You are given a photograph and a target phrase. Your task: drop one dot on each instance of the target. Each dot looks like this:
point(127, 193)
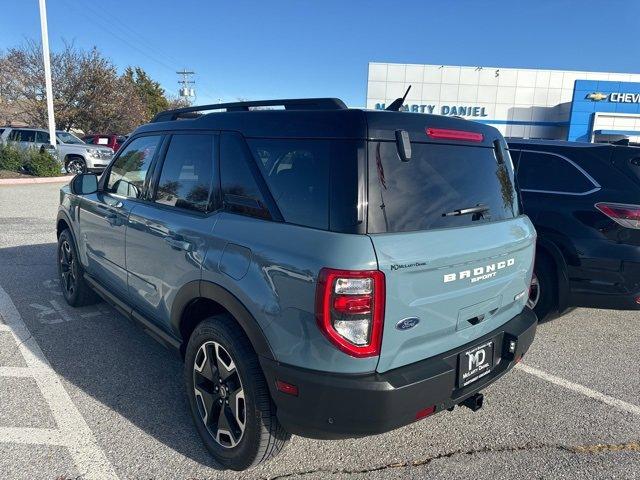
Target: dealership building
point(524, 103)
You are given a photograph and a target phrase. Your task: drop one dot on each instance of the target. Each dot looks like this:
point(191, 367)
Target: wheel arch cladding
point(63, 221)
point(61, 225)
point(198, 300)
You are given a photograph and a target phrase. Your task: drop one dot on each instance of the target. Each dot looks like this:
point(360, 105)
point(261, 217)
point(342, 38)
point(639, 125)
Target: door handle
point(178, 244)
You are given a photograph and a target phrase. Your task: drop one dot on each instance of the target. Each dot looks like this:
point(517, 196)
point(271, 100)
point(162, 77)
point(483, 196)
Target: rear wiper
point(478, 209)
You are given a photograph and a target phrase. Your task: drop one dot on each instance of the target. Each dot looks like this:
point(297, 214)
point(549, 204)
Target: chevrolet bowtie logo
point(597, 96)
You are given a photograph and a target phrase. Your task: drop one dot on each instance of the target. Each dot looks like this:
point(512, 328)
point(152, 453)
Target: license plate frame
point(475, 363)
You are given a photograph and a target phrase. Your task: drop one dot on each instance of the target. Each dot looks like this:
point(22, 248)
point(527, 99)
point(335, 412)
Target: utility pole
point(186, 91)
point(47, 72)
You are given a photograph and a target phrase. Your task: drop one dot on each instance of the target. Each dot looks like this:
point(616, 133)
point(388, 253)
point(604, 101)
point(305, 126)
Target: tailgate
point(460, 283)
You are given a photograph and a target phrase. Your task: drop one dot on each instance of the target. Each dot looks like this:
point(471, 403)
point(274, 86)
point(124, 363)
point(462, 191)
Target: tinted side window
point(240, 192)
point(22, 136)
point(550, 173)
point(187, 172)
point(129, 171)
point(27, 136)
point(42, 137)
point(297, 173)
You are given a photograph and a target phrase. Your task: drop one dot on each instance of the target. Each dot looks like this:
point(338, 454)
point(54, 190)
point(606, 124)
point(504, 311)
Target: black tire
point(547, 302)
point(262, 437)
point(75, 165)
point(75, 289)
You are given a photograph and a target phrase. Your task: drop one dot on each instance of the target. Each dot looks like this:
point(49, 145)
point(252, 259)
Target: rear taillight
point(350, 309)
point(626, 215)
point(448, 134)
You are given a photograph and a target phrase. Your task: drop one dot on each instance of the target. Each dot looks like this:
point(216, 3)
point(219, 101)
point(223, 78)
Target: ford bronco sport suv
point(584, 200)
point(324, 271)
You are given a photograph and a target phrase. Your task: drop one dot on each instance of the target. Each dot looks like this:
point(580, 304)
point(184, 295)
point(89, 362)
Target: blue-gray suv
point(324, 271)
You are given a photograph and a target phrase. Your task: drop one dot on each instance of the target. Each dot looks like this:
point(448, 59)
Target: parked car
point(324, 271)
point(584, 200)
point(75, 155)
point(112, 141)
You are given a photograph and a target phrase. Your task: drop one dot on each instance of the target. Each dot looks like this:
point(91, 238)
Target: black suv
point(584, 200)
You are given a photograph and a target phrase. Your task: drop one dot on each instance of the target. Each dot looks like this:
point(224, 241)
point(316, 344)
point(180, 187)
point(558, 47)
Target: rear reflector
point(446, 134)
point(425, 412)
point(287, 388)
point(623, 214)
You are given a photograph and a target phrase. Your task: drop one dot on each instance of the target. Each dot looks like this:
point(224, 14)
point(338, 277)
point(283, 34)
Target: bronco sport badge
point(479, 273)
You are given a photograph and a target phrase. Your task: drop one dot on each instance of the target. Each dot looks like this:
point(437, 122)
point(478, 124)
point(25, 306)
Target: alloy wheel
point(75, 166)
point(534, 292)
point(219, 394)
point(68, 270)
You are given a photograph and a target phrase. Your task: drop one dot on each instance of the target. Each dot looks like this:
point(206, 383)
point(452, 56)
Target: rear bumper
point(330, 406)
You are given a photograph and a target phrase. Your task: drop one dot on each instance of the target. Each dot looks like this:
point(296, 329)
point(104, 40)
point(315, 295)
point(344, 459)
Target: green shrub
point(11, 158)
point(41, 164)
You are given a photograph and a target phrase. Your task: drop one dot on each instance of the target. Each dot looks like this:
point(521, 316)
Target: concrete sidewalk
point(25, 181)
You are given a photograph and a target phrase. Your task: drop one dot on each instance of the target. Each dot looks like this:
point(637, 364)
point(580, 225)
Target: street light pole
point(47, 72)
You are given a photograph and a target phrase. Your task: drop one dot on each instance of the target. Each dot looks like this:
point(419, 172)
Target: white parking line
point(73, 431)
point(576, 387)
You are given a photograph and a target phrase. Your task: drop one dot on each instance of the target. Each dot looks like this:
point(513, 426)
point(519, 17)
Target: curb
point(27, 181)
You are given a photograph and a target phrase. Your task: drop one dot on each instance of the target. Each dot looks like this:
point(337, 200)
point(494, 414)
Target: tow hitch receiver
point(474, 402)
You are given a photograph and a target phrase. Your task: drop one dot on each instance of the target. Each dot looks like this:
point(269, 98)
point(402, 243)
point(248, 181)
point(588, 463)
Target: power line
point(117, 36)
point(127, 30)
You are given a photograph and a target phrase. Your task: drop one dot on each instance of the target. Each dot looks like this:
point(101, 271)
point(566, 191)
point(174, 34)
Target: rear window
point(438, 180)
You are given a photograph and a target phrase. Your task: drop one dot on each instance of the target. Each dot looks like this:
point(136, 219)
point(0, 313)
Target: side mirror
point(84, 184)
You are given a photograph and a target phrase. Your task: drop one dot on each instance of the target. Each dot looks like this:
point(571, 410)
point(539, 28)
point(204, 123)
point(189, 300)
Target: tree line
point(88, 92)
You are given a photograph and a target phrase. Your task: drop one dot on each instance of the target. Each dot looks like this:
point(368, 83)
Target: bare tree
point(88, 93)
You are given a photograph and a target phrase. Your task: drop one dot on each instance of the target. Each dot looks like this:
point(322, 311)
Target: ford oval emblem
point(407, 323)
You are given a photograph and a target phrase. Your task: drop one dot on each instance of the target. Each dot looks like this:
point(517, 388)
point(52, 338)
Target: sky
point(296, 48)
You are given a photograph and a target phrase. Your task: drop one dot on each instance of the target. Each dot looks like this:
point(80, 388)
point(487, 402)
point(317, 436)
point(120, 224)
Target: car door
point(165, 242)
point(103, 216)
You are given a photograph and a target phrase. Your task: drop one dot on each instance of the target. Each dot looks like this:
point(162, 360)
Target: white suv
point(75, 155)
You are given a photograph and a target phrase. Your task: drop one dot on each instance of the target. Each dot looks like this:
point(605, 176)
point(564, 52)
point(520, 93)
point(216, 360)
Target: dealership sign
point(449, 110)
point(615, 97)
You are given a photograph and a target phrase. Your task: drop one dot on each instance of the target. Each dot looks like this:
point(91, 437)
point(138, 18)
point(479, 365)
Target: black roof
point(310, 118)
point(532, 144)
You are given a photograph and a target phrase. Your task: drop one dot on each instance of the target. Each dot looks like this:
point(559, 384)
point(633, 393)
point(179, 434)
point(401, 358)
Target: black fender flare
point(211, 291)
point(62, 215)
point(562, 273)
point(73, 225)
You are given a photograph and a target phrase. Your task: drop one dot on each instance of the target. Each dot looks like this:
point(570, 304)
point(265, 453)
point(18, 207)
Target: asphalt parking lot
point(85, 393)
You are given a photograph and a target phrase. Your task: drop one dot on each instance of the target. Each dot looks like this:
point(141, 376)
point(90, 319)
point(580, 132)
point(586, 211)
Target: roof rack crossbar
point(288, 104)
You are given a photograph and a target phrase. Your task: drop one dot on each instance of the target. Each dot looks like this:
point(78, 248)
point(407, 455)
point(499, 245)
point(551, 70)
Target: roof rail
point(290, 104)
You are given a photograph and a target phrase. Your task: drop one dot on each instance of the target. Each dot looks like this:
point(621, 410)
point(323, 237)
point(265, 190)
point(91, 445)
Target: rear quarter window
point(439, 179)
point(551, 173)
point(314, 182)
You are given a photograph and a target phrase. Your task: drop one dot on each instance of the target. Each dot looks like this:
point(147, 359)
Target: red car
point(113, 141)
